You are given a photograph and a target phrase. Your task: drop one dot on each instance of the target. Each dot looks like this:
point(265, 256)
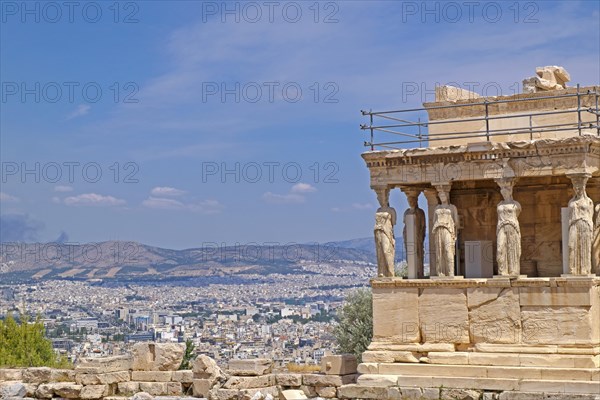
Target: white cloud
point(166, 191)
point(296, 195)
point(303, 188)
point(7, 198)
point(80, 111)
point(93, 199)
point(203, 207)
point(163, 204)
point(290, 198)
point(63, 189)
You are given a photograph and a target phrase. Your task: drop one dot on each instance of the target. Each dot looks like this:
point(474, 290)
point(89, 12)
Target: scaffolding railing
point(413, 132)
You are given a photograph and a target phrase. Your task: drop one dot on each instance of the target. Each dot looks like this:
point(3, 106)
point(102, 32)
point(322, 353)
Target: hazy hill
point(130, 260)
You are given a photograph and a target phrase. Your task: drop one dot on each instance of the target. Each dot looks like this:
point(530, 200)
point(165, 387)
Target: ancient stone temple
point(507, 295)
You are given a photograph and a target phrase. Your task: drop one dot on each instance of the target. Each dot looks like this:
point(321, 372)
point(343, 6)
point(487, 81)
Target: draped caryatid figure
point(508, 232)
point(413, 246)
point(385, 242)
point(445, 218)
point(596, 242)
point(581, 214)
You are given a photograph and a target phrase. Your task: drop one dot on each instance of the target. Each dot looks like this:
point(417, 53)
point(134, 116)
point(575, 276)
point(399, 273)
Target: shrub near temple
point(355, 323)
point(24, 344)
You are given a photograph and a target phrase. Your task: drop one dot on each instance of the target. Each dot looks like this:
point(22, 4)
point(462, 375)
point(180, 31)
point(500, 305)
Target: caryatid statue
point(581, 214)
point(385, 242)
point(445, 219)
point(508, 232)
point(596, 242)
point(412, 196)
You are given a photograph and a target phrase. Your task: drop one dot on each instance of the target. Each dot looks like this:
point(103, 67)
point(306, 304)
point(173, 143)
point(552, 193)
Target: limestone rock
point(410, 393)
point(93, 392)
point(431, 394)
point(157, 356)
point(12, 389)
point(44, 391)
point(496, 320)
point(206, 368)
point(293, 394)
point(154, 388)
point(11, 375)
point(548, 325)
point(389, 356)
point(309, 391)
point(128, 388)
point(395, 315)
point(249, 382)
point(223, 394)
point(453, 94)
point(67, 390)
point(362, 392)
point(444, 315)
point(37, 375)
point(151, 376)
point(378, 380)
point(327, 392)
point(62, 375)
point(293, 380)
point(252, 367)
point(339, 364)
point(367, 368)
point(459, 394)
point(103, 365)
point(174, 389)
point(142, 396)
point(327, 380)
point(202, 387)
point(262, 394)
point(108, 378)
point(183, 376)
point(548, 78)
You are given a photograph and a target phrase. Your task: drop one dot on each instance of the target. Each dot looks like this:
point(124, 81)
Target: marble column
point(444, 232)
point(385, 242)
point(508, 231)
point(414, 233)
point(581, 227)
point(432, 203)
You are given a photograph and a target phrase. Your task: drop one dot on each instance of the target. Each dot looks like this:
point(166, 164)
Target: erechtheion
point(511, 298)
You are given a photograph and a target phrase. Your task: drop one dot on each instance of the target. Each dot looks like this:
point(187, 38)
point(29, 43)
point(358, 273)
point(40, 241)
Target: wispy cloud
point(93, 199)
point(80, 111)
point(203, 207)
point(296, 195)
point(303, 188)
point(166, 191)
point(63, 189)
point(7, 198)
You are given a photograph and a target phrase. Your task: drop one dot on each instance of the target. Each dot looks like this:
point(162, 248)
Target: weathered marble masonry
point(511, 301)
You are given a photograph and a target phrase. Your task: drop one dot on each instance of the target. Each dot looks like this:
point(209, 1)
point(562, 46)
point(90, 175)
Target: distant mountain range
point(121, 260)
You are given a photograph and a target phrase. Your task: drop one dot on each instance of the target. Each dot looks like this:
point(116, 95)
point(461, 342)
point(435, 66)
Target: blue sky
point(160, 97)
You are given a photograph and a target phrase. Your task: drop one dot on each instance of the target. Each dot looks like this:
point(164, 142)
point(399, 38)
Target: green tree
point(355, 323)
point(189, 355)
point(24, 344)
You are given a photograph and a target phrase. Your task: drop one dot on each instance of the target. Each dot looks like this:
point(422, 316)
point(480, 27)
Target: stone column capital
point(442, 186)
point(383, 194)
point(506, 181)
